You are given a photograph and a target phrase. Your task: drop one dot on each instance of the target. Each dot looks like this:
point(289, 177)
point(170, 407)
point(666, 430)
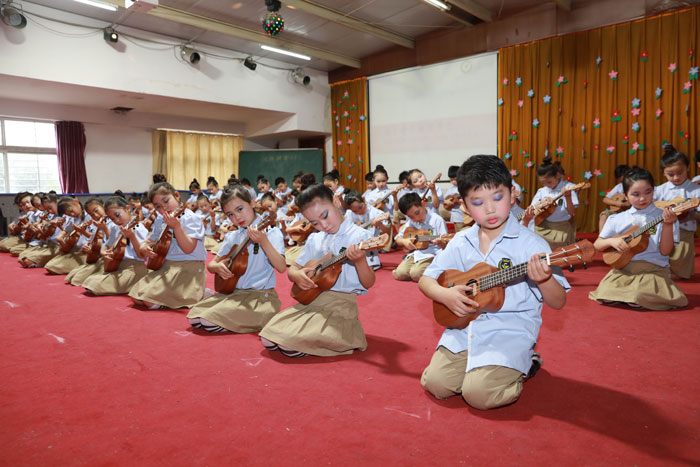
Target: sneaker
point(156, 307)
point(535, 366)
point(208, 293)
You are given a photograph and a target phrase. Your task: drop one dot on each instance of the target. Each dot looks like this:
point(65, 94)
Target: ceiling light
point(438, 4)
point(285, 52)
point(109, 35)
point(190, 55)
point(13, 17)
point(104, 6)
point(299, 77)
point(250, 64)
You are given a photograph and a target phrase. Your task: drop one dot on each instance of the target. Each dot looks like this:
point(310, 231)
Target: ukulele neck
point(504, 276)
point(643, 229)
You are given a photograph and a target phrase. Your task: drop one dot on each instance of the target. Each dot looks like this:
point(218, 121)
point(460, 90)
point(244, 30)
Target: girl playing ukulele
point(254, 301)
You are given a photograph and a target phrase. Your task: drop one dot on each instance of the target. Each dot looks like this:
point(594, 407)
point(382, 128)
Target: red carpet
point(94, 381)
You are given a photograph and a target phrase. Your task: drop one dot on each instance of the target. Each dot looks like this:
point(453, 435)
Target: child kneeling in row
point(488, 361)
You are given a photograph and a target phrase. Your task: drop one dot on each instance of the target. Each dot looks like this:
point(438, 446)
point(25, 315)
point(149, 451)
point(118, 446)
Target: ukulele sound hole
point(471, 284)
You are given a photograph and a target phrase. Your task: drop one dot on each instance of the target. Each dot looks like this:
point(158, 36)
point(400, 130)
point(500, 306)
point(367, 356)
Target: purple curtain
point(70, 145)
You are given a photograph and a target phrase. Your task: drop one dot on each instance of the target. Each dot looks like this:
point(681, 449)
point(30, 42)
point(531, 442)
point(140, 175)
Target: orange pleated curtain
point(350, 135)
point(600, 98)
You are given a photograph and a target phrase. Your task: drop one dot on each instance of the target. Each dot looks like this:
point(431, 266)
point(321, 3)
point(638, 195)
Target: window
point(28, 153)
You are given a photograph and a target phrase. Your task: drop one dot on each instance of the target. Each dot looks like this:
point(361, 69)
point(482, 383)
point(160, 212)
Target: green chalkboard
point(275, 163)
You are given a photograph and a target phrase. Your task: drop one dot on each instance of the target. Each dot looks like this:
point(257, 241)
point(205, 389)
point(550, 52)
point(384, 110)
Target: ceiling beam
point(474, 8)
point(354, 23)
point(564, 4)
point(229, 29)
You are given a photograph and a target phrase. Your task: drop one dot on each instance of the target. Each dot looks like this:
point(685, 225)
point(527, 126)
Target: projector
point(142, 6)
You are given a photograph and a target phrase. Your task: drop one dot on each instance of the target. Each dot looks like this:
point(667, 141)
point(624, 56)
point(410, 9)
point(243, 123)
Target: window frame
point(6, 150)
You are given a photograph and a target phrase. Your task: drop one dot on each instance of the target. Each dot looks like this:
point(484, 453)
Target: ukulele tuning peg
point(571, 268)
point(585, 265)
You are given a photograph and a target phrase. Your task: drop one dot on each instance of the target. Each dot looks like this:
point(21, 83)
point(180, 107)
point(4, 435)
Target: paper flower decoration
point(520, 103)
point(672, 68)
point(561, 80)
point(690, 54)
point(569, 178)
point(337, 124)
point(335, 164)
point(363, 118)
point(597, 173)
point(687, 86)
point(610, 149)
point(625, 138)
point(635, 127)
point(585, 84)
point(507, 155)
point(658, 92)
point(525, 154)
point(500, 101)
point(583, 154)
point(559, 151)
point(596, 146)
point(535, 123)
point(529, 164)
point(341, 158)
point(685, 135)
point(636, 147)
point(339, 143)
point(518, 81)
point(636, 112)
point(583, 128)
point(349, 177)
point(636, 102)
point(597, 61)
point(596, 123)
point(531, 93)
point(644, 56)
point(616, 117)
point(346, 114)
point(346, 94)
point(658, 113)
point(587, 175)
point(351, 140)
point(505, 81)
point(513, 135)
point(613, 75)
point(693, 73)
point(350, 165)
point(547, 98)
point(514, 173)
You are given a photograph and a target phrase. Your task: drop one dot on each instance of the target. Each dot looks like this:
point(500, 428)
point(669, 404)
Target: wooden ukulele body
point(490, 300)
point(300, 231)
point(617, 260)
point(324, 280)
point(67, 243)
point(452, 201)
point(118, 251)
point(238, 267)
point(411, 233)
point(95, 247)
point(542, 216)
point(161, 249)
point(619, 198)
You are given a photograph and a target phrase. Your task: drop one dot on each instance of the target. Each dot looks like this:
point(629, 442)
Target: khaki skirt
point(176, 284)
point(326, 327)
point(209, 242)
point(117, 282)
point(646, 284)
point(291, 254)
point(242, 311)
point(557, 234)
point(40, 255)
point(17, 250)
point(10, 242)
point(215, 249)
point(78, 275)
point(64, 263)
point(682, 259)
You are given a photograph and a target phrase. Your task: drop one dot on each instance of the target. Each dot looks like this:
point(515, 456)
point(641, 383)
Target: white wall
point(118, 157)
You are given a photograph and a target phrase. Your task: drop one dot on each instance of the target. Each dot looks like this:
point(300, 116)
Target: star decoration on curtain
point(535, 123)
point(672, 68)
point(636, 111)
point(636, 102)
point(636, 127)
point(658, 92)
point(531, 93)
point(613, 75)
point(518, 81)
point(658, 113)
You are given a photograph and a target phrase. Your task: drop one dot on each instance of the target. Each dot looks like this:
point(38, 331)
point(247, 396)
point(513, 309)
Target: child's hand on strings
point(537, 270)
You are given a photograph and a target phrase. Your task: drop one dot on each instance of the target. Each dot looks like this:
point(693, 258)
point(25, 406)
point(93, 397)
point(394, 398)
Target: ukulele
point(300, 230)
point(119, 247)
point(437, 177)
point(162, 245)
point(381, 203)
point(620, 198)
point(466, 218)
point(674, 202)
point(95, 244)
point(33, 229)
point(545, 207)
point(149, 220)
point(488, 283)
point(638, 237)
point(237, 261)
point(451, 201)
point(16, 227)
point(381, 218)
point(421, 238)
point(50, 228)
point(326, 270)
point(67, 243)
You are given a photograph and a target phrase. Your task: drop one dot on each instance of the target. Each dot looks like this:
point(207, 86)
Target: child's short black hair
point(409, 200)
point(202, 196)
point(93, 200)
point(308, 195)
point(403, 176)
point(353, 196)
point(672, 156)
point(262, 179)
point(212, 181)
point(232, 181)
point(621, 170)
point(549, 169)
point(452, 171)
point(194, 184)
point(114, 201)
point(50, 197)
point(380, 170)
point(19, 196)
point(268, 197)
point(369, 176)
point(634, 175)
point(245, 182)
point(63, 204)
point(482, 171)
point(144, 198)
point(279, 180)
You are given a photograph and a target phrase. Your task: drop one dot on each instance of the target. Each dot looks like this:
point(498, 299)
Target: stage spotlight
point(13, 17)
point(109, 35)
point(300, 78)
point(190, 55)
point(250, 64)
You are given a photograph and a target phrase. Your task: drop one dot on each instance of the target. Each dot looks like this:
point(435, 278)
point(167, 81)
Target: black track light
point(250, 64)
point(273, 5)
point(12, 16)
point(109, 35)
point(190, 55)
